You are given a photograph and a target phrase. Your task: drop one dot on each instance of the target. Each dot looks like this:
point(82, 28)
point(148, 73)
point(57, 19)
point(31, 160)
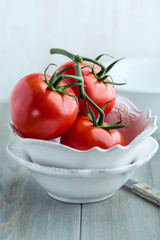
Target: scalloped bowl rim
point(137, 139)
point(50, 170)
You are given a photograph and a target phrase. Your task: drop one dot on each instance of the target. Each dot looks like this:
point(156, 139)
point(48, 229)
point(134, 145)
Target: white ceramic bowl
point(143, 84)
point(48, 153)
point(81, 186)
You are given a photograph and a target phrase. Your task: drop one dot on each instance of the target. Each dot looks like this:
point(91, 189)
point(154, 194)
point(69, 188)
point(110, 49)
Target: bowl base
point(75, 200)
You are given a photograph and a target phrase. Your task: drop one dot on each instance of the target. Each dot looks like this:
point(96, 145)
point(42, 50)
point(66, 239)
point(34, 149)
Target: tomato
point(99, 92)
point(83, 136)
point(38, 112)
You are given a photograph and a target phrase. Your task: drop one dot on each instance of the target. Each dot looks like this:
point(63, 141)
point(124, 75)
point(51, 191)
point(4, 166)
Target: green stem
point(101, 73)
point(50, 83)
point(95, 62)
point(77, 60)
point(62, 52)
point(83, 95)
point(57, 82)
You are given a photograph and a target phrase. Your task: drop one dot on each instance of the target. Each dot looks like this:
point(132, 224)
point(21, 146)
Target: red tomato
point(99, 92)
point(38, 112)
point(83, 136)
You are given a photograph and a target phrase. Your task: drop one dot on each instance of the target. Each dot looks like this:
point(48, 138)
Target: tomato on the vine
point(98, 91)
point(83, 135)
point(41, 113)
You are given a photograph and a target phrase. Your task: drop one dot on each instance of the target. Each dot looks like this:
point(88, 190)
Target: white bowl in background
point(143, 84)
point(81, 186)
point(49, 153)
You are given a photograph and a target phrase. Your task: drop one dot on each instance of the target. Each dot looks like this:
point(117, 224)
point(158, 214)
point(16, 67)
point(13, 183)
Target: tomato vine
point(101, 76)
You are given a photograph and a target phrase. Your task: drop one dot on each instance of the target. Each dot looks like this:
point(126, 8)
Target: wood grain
point(125, 215)
point(28, 213)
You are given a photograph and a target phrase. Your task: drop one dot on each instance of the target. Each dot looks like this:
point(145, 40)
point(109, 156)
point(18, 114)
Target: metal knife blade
point(144, 190)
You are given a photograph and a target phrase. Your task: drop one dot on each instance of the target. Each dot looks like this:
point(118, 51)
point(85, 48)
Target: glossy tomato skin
point(83, 136)
point(99, 92)
point(38, 112)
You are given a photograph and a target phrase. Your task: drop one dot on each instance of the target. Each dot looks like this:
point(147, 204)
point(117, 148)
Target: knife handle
point(147, 192)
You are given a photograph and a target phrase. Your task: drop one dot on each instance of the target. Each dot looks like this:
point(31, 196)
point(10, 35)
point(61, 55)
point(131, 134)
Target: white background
point(28, 29)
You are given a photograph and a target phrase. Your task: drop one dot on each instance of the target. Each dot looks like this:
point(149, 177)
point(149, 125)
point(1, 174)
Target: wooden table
point(27, 212)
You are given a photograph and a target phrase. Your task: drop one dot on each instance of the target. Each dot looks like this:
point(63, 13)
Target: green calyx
point(103, 75)
point(57, 77)
point(95, 120)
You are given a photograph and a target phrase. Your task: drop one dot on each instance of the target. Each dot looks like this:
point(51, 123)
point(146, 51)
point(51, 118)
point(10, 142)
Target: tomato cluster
point(70, 104)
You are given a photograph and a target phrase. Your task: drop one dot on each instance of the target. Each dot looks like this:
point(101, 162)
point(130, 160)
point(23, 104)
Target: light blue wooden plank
point(26, 211)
